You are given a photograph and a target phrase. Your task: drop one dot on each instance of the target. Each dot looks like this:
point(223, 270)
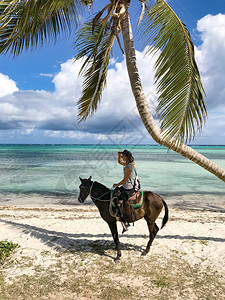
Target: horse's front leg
point(113, 228)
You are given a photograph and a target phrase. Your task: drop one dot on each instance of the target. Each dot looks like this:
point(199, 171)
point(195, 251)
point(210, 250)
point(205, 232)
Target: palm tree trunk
point(144, 110)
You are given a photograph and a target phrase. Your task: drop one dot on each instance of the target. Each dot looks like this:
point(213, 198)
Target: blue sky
point(40, 88)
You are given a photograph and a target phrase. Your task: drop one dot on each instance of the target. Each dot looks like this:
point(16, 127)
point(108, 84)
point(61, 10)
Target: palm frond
point(87, 2)
point(29, 23)
point(181, 105)
point(98, 16)
point(142, 13)
point(95, 48)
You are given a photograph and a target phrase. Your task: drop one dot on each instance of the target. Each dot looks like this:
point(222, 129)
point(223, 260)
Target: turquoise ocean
point(54, 170)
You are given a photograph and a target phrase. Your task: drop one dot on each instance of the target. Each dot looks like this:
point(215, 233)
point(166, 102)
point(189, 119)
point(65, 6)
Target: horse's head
point(85, 188)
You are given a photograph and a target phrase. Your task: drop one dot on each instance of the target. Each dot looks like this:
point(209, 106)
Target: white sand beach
point(66, 251)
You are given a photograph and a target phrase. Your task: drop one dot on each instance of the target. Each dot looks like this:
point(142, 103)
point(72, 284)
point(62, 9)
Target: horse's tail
point(166, 216)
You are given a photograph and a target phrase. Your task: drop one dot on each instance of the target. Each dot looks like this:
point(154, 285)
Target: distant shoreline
point(100, 144)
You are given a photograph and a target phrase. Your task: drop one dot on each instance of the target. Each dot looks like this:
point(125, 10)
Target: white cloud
point(7, 85)
point(47, 75)
point(28, 131)
point(67, 82)
point(8, 109)
point(57, 110)
point(79, 135)
point(67, 134)
point(210, 56)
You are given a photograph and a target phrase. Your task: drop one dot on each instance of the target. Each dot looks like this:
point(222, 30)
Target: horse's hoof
point(144, 253)
point(117, 260)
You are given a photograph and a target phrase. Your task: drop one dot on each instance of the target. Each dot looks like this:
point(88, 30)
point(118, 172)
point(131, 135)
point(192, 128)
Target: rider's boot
point(123, 220)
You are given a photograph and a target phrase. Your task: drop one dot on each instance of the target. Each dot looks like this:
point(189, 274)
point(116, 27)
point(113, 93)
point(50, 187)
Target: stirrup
point(125, 227)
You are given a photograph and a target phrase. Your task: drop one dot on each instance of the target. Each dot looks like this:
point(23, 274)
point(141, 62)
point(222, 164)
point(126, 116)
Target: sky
point(39, 89)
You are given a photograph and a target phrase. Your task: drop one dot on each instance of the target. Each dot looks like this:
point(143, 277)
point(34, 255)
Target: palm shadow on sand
point(73, 242)
point(82, 242)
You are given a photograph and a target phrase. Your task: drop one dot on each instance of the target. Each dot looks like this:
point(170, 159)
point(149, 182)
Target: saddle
point(136, 199)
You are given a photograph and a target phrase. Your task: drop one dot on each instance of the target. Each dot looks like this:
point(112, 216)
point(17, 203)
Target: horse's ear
point(81, 179)
point(90, 178)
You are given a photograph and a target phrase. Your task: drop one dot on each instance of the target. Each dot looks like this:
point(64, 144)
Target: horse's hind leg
point(153, 229)
point(156, 229)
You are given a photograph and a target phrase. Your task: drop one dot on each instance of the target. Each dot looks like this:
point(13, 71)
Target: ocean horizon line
point(100, 144)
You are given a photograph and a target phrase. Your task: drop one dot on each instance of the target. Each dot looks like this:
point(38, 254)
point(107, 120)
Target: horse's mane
point(100, 185)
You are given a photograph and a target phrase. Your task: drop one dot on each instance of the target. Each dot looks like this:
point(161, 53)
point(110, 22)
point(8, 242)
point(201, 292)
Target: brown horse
point(150, 210)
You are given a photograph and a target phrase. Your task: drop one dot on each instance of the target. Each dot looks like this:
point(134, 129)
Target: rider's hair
point(128, 155)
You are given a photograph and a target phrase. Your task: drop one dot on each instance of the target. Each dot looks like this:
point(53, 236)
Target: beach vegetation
point(204, 242)
point(6, 248)
point(181, 109)
point(100, 278)
point(161, 282)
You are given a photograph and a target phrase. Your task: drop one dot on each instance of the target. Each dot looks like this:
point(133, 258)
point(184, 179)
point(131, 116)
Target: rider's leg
point(122, 200)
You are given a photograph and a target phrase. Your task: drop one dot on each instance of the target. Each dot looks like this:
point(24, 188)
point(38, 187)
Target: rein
point(94, 198)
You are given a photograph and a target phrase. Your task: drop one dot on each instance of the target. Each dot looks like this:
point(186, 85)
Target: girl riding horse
point(126, 185)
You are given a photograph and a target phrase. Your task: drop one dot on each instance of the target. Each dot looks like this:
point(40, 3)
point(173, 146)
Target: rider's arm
point(120, 161)
point(125, 179)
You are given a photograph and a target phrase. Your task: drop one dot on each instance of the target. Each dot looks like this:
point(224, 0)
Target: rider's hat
point(128, 154)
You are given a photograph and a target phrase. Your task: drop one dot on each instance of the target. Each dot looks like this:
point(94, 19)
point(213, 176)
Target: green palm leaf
point(29, 23)
point(95, 49)
point(181, 105)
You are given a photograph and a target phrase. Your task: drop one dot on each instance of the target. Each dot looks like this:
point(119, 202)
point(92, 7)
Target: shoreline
point(193, 201)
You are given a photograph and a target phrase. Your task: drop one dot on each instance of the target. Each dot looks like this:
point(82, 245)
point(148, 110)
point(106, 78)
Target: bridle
point(94, 198)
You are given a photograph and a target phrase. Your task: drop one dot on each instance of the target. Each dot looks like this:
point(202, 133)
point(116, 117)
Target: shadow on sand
point(75, 243)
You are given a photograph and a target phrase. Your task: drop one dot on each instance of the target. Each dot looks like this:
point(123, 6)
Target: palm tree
point(181, 107)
